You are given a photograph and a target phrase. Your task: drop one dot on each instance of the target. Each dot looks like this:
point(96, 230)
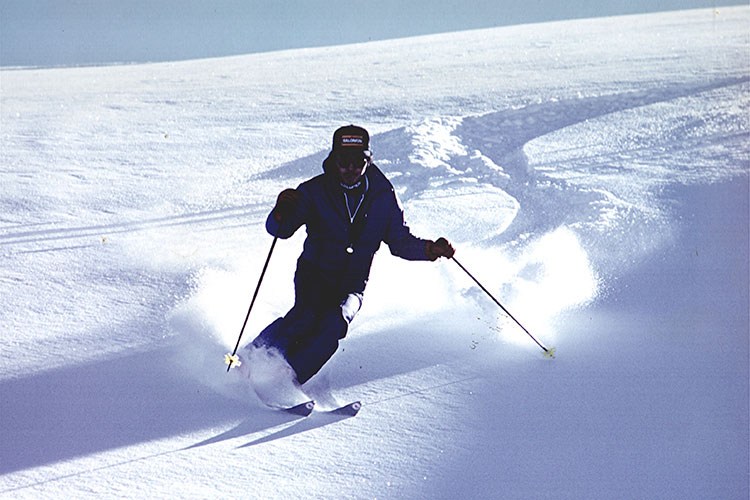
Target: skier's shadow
point(251, 425)
point(314, 421)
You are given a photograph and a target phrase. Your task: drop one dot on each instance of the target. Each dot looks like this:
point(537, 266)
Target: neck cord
point(352, 216)
point(361, 198)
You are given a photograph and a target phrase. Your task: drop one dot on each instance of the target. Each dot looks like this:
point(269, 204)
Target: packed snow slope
point(592, 174)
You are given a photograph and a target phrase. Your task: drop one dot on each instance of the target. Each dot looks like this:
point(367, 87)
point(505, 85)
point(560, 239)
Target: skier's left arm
point(404, 244)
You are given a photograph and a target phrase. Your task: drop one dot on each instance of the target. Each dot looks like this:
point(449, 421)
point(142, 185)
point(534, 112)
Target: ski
point(349, 410)
point(302, 410)
point(306, 409)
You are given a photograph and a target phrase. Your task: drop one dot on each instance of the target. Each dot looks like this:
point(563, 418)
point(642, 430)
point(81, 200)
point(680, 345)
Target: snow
point(593, 174)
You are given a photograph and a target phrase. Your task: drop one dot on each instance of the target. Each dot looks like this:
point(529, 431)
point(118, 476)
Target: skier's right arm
point(287, 215)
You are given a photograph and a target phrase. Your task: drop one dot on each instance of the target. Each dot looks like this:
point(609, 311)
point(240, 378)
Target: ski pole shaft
point(547, 351)
point(255, 296)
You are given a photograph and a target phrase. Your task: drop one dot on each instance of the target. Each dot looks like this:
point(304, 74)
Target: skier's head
point(350, 154)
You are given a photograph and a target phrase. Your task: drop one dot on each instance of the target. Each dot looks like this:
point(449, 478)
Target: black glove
point(286, 204)
point(439, 248)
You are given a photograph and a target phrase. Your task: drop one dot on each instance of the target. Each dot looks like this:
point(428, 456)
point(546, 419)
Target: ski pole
point(232, 358)
point(549, 353)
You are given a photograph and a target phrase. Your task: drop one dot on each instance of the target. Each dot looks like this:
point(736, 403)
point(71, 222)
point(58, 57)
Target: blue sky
point(79, 32)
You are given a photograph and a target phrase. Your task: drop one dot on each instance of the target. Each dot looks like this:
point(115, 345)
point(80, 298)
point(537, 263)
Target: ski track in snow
point(606, 208)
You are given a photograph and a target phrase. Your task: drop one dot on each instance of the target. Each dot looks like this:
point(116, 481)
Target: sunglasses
point(355, 158)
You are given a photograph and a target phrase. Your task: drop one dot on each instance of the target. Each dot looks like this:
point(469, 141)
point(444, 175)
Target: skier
point(349, 210)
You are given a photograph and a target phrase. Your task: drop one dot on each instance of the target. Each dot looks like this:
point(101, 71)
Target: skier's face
point(351, 167)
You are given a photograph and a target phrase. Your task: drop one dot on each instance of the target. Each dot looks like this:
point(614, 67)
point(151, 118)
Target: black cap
point(351, 138)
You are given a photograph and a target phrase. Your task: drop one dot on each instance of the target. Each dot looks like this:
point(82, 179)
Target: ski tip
point(349, 410)
point(303, 409)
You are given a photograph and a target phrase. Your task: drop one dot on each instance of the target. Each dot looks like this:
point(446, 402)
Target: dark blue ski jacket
point(339, 246)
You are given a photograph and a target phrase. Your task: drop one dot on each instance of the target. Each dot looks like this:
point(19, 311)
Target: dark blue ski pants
point(309, 334)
